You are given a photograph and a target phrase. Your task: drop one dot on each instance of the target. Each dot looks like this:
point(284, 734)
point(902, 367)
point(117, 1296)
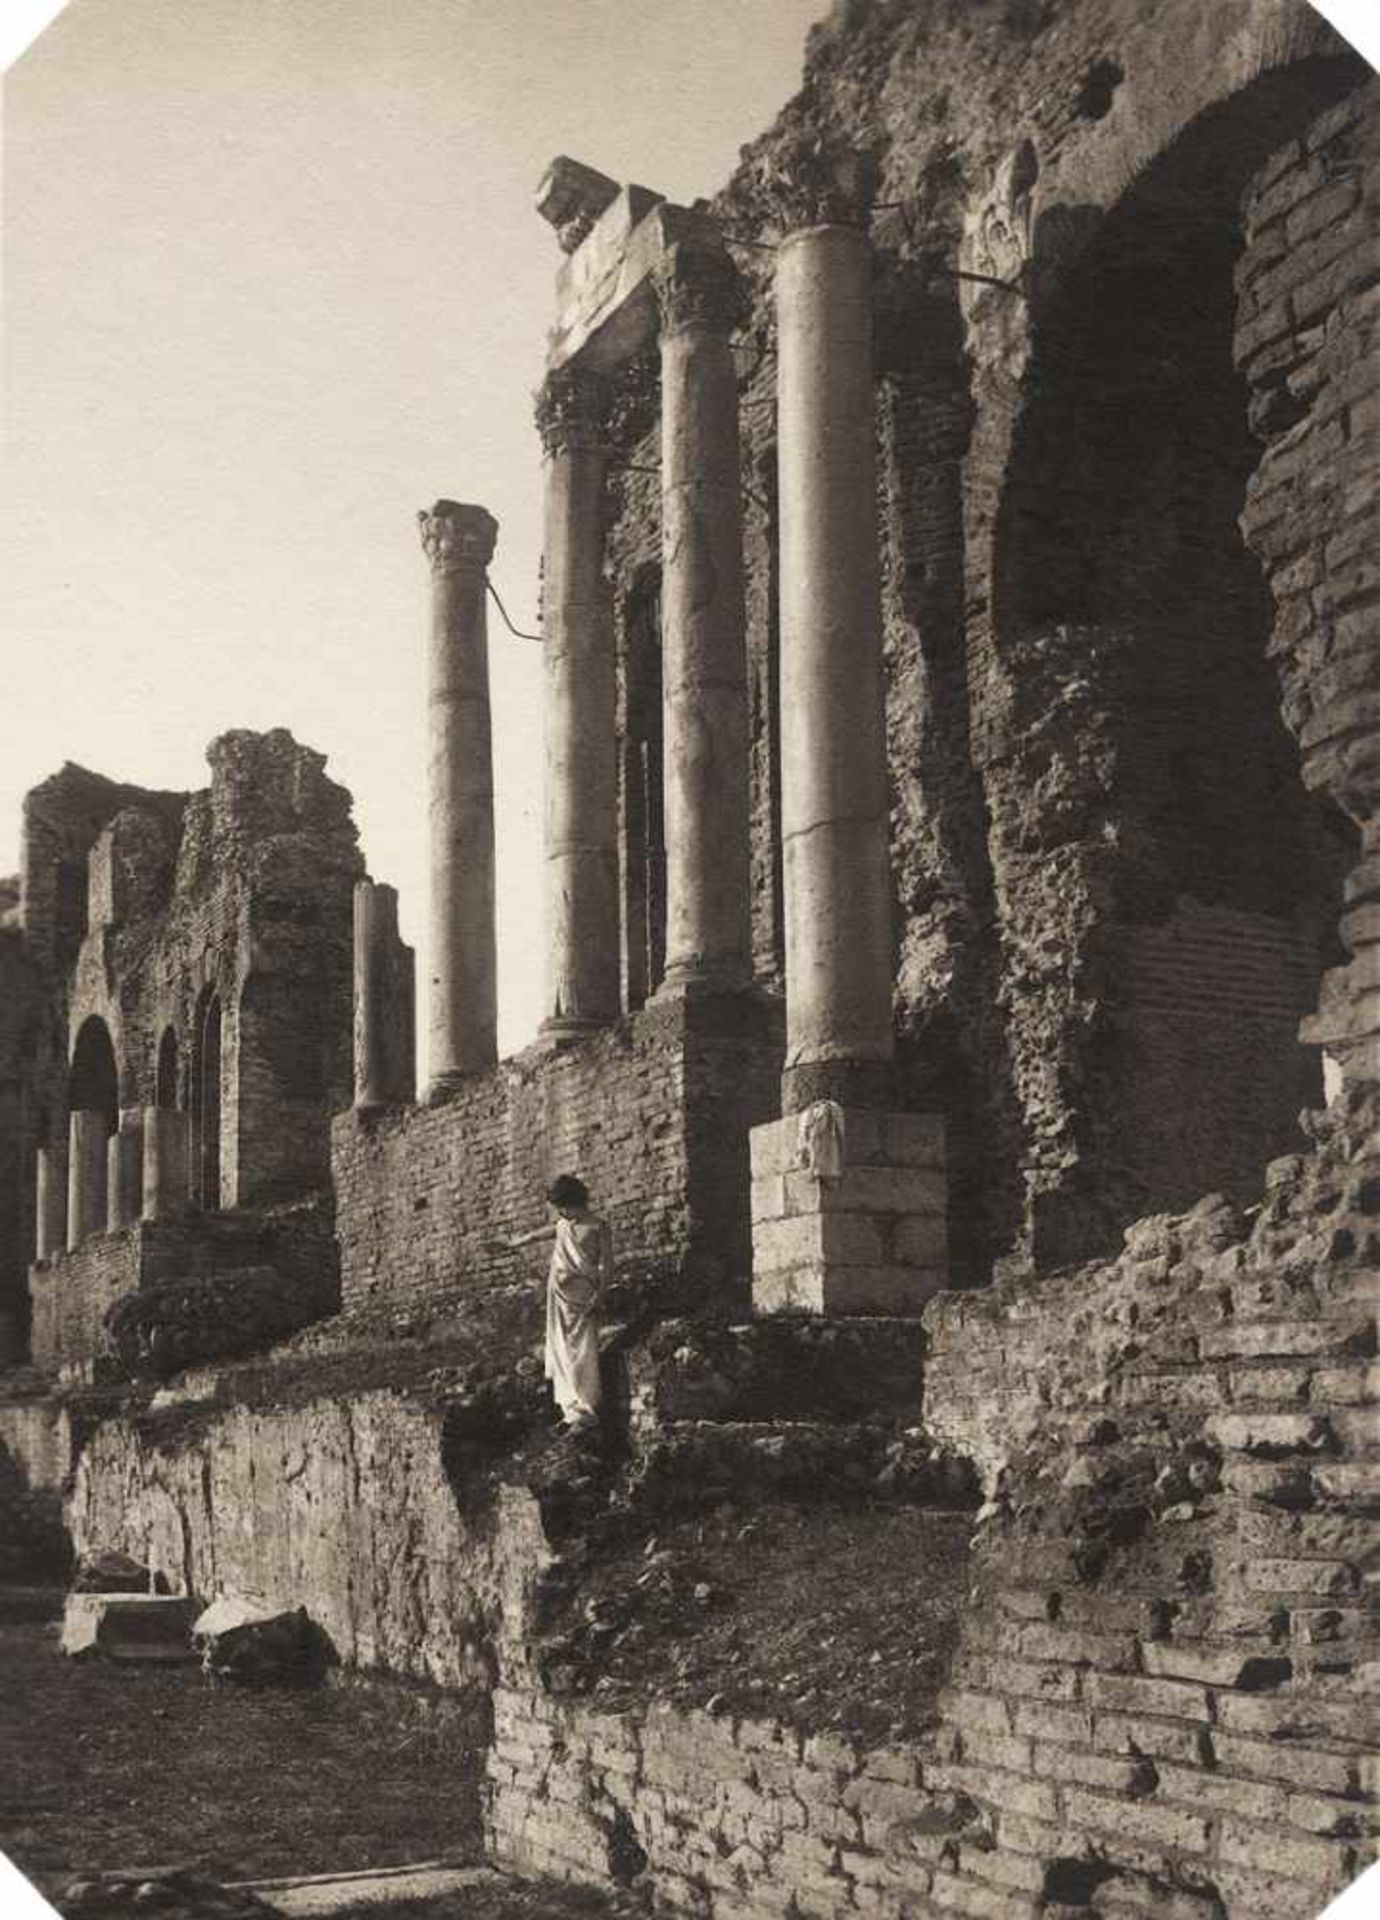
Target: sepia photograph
point(690, 960)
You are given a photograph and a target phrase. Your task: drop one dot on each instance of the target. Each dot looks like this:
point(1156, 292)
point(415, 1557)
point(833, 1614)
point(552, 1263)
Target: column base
point(863, 1084)
point(444, 1087)
point(849, 1212)
point(705, 982)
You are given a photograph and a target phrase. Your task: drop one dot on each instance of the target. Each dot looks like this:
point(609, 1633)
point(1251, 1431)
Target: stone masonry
point(961, 696)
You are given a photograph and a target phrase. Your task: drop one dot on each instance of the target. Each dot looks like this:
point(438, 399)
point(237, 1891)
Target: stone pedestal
point(834, 802)
point(166, 1163)
point(463, 1002)
point(124, 1180)
point(581, 752)
point(848, 1212)
point(87, 1172)
point(704, 661)
point(385, 1041)
point(50, 1210)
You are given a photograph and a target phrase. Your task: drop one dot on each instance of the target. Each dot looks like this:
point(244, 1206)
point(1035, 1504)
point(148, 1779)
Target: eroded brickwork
point(654, 1113)
point(1159, 1696)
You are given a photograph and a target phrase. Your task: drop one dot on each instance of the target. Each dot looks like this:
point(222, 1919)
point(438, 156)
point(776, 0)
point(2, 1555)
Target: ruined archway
point(1169, 887)
point(93, 1104)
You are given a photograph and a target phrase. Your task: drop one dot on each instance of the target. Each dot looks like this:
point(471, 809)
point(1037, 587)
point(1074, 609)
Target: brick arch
point(93, 1081)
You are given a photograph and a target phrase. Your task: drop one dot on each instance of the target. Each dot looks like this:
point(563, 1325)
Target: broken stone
point(255, 1643)
point(111, 1572)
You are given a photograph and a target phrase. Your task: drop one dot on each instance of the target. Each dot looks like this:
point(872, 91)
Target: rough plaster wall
point(344, 1506)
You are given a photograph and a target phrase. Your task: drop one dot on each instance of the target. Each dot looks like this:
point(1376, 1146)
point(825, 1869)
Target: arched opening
point(93, 1100)
point(166, 1072)
point(1166, 818)
point(93, 1084)
point(643, 802)
point(205, 1103)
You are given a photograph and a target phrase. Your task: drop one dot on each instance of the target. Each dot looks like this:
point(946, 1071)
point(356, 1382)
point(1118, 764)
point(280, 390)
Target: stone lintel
point(606, 308)
point(570, 198)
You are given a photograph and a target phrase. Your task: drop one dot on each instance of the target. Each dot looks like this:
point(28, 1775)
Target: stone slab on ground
point(385, 1886)
point(128, 1626)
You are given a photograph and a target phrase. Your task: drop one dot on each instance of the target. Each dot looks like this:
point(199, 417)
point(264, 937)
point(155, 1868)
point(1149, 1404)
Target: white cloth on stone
point(579, 1265)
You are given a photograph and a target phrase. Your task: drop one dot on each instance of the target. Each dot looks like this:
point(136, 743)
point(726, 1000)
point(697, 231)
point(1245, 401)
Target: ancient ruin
point(962, 813)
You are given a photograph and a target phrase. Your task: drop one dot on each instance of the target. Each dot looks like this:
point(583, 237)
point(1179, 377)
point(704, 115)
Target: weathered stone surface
point(128, 1626)
point(253, 1643)
point(463, 998)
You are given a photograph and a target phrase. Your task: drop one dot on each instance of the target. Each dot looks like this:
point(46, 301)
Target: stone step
point(690, 1464)
point(129, 1626)
point(783, 1367)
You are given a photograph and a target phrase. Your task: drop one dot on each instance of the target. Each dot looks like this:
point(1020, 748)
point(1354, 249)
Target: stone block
point(850, 1239)
point(772, 1148)
point(128, 1626)
point(868, 1189)
point(916, 1140)
point(768, 1197)
point(920, 1240)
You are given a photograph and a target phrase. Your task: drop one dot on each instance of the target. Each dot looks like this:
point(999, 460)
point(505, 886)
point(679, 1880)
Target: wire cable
point(515, 631)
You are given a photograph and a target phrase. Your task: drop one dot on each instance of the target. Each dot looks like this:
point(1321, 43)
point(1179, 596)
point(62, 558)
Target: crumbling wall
point(1305, 340)
point(186, 1293)
point(653, 1113)
point(1042, 695)
point(19, 1020)
point(1159, 1701)
point(344, 1506)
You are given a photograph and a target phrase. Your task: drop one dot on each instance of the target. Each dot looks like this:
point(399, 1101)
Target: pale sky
point(273, 281)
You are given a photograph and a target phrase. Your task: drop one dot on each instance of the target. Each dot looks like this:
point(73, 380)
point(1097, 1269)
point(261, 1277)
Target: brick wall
point(653, 1113)
point(1159, 1701)
point(1216, 1073)
point(71, 1293)
point(1306, 342)
point(68, 1299)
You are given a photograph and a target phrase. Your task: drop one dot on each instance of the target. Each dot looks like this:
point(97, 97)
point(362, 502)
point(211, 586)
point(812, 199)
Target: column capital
point(455, 537)
point(815, 182)
point(572, 407)
point(697, 287)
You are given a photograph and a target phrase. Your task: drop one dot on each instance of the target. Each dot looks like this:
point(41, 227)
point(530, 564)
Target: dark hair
point(567, 1191)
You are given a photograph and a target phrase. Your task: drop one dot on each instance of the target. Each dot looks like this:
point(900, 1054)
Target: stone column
point(385, 1071)
point(50, 1212)
point(834, 802)
point(849, 1200)
point(124, 1181)
point(704, 661)
point(166, 1163)
point(581, 755)
point(463, 1002)
point(88, 1132)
